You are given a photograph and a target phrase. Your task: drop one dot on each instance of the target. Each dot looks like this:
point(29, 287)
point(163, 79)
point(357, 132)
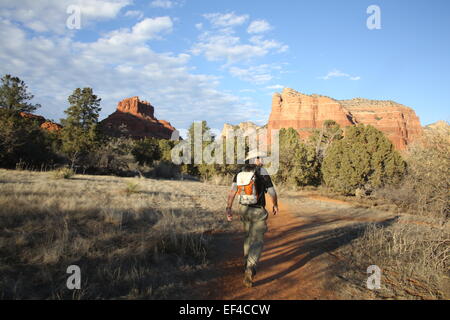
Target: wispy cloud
point(119, 64)
point(338, 74)
point(221, 42)
point(165, 4)
point(275, 87)
point(134, 13)
point(51, 16)
point(259, 26)
point(221, 20)
point(255, 74)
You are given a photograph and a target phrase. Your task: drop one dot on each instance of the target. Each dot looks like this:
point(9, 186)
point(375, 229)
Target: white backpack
point(245, 181)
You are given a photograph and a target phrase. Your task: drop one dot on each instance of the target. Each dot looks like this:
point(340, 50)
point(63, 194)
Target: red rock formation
point(291, 109)
point(399, 123)
point(43, 123)
point(307, 112)
point(138, 117)
point(247, 128)
point(51, 126)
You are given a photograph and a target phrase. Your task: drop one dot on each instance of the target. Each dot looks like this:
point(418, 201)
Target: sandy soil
point(298, 260)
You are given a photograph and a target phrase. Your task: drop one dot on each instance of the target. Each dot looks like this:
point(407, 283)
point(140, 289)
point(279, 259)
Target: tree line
point(362, 159)
point(356, 161)
point(80, 145)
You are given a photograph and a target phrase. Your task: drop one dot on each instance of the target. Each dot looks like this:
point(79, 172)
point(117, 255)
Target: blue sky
point(221, 61)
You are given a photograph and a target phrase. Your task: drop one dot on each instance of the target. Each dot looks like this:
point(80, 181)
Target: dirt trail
point(297, 261)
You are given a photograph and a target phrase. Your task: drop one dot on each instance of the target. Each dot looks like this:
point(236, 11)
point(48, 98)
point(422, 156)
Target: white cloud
point(147, 29)
point(134, 13)
point(221, 42)
point(222, 45)
point(255, 74)
point(161, 4)
point(338, 74)
point(101, 8)
point(226, 19)
point(165, 4)
point(259, 26)
point(120, 64)
point(51, 15)
point(275, 87)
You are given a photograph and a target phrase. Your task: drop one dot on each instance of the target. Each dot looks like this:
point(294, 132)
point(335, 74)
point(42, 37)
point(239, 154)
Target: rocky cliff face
point(308, 112)
point(440, 126)
point(138, 120)
point(43, 123)
point(245, 127)
point(305, 113)
point(398, 122)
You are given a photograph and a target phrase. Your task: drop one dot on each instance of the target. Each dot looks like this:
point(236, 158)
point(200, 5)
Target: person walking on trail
point(251, 184)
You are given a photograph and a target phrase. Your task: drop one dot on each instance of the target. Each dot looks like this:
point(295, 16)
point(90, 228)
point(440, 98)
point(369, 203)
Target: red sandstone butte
point(43, 123)
point(138, 117)
point(305, 113)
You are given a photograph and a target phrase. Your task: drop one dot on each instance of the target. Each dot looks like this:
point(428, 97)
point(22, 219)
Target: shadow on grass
point(126, 260)
point(302, 249)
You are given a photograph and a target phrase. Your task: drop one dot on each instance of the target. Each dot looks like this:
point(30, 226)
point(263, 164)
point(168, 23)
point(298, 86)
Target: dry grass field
point(132, 238)
point(165, 239)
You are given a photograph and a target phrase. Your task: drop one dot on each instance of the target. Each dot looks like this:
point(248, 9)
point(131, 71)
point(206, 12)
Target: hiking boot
point(248, 277)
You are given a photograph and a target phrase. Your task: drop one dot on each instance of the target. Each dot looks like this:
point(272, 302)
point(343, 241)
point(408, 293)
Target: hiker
point(251, 184)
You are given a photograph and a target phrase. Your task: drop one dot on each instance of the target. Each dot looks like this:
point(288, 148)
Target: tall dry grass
point(426, 187)
point(132, 238)
point(414, 259)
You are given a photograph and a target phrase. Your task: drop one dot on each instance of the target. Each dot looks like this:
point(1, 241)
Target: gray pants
point(254, 220)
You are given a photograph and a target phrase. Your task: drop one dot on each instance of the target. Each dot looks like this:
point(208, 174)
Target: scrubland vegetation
point(147, 238)
point(132, 238)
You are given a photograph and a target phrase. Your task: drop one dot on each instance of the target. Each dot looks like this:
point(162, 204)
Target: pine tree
point(14, 95)
point(80, 132)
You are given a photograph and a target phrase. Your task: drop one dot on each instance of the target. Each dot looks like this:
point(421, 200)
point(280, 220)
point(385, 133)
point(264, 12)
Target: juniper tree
point(299, 165)
point(363, 159)
point(323, 138)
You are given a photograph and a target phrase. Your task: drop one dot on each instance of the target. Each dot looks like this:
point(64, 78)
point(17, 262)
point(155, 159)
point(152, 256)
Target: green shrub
point(365, 159)
point(299, 165)
point(23, 141)
point(146, 151)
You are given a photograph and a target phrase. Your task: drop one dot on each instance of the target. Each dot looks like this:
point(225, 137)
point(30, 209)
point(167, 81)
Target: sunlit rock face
point(305, 113)
point(138, 118)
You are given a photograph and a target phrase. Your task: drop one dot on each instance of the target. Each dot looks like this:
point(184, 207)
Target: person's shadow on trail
point(302, 249)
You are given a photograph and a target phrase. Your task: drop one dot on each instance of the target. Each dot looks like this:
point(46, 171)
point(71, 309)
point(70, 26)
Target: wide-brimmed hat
point(255, 154)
